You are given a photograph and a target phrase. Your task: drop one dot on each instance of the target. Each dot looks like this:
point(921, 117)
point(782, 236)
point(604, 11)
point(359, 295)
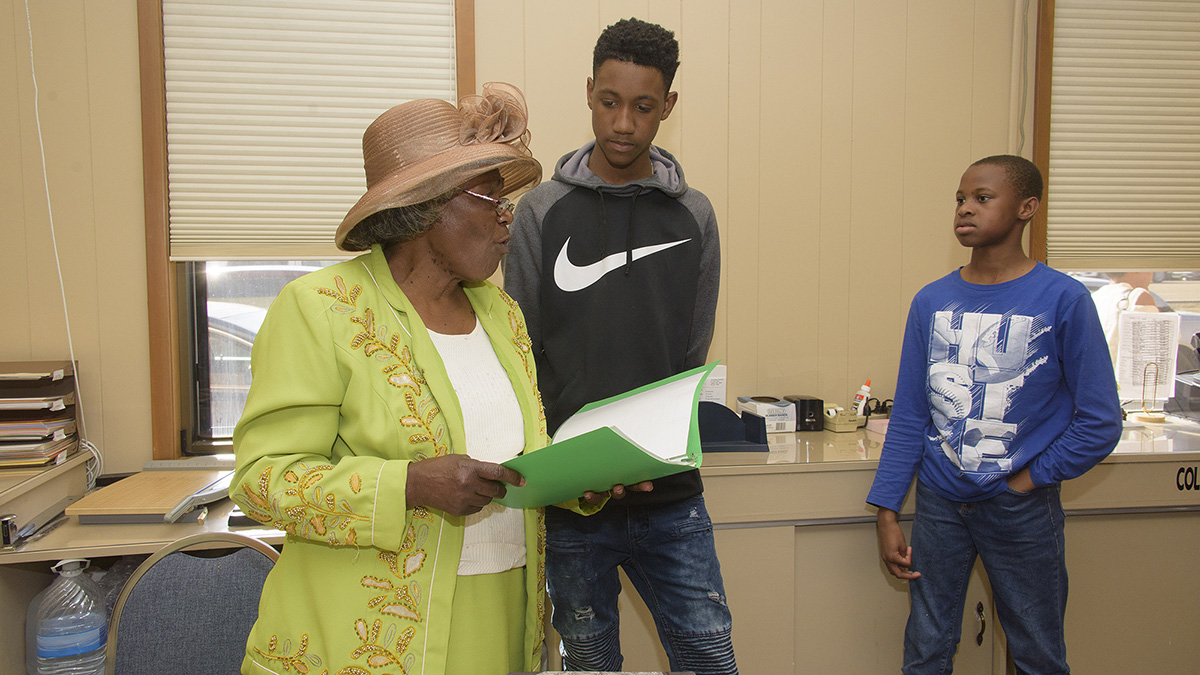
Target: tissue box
point(780, 415)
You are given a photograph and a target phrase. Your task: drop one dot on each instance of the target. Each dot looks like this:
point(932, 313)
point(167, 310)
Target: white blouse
point(494, 538)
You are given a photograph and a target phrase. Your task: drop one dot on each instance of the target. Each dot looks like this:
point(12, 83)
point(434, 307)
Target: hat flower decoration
point(497, 116)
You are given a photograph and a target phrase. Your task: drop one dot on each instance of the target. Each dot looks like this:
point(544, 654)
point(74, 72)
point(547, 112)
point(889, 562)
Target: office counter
point(802, 574)
point(809, 595)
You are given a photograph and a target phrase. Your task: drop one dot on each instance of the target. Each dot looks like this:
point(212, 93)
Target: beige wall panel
point(612, 11)
point(500, 48)
point(16, 339)
point(120, 287)
point(991, 96)
point(53, 63)
point(60, 55)
point(741, 230)
point(560, 38)
point(937, 150)
point(789, 176)
point(833, 303)
point(87, 76)
point(877, 156)
point(704, 109)
point(668, 14)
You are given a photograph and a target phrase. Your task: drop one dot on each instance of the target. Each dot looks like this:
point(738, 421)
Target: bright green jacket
point(348, 389)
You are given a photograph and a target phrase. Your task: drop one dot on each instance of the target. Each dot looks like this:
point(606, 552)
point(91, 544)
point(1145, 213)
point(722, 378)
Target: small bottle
point(859, 406)
point(71, 624)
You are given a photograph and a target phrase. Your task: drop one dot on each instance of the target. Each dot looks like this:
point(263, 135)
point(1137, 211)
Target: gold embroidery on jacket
point(342, 295)
point(378, 655)
point(298, 661)
point(319, 509)
point(524, 345)
point(400, 598)
point(402, 373)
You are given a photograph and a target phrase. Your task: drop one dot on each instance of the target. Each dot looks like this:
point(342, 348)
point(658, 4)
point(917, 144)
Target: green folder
point(643, 434)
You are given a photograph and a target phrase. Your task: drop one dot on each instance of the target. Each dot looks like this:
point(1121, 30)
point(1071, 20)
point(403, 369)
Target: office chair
point(182, 613)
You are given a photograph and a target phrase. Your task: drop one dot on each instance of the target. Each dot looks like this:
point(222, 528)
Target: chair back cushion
point(191, 614)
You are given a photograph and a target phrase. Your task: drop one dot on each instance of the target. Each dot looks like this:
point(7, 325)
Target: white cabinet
point(809, 594)
point(813, 599)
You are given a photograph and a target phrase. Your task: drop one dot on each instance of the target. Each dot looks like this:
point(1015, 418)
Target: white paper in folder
point(1146, 354)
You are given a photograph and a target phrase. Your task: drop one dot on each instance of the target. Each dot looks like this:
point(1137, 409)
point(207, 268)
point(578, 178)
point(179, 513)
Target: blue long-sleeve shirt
point(994, 378)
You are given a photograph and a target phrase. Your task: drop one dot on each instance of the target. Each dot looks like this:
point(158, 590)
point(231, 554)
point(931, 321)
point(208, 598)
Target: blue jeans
point(1019, 537)
point(667, 552)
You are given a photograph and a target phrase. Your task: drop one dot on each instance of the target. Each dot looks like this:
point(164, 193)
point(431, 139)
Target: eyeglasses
point(503, 205)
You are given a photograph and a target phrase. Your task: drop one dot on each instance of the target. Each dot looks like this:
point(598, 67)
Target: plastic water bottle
point(72, 625)
point(31, 667)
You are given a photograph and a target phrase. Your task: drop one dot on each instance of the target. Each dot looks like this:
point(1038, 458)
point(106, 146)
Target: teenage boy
point(1005, 390)
point(615, 263)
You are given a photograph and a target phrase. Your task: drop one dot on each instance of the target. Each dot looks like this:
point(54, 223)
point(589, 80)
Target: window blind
point(267, 101)
point(1124, 184)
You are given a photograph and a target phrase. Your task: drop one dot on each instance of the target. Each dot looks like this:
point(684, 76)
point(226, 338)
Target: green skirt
point(487, 624)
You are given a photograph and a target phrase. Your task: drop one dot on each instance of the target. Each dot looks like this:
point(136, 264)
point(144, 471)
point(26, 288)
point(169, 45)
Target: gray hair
point(399, 224)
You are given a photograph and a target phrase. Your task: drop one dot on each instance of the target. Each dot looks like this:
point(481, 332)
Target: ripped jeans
point(668, 554)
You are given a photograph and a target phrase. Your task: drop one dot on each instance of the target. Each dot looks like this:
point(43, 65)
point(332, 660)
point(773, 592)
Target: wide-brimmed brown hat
point(421, 149)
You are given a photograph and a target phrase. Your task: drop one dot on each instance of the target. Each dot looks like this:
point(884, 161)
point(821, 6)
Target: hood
point(573, 169)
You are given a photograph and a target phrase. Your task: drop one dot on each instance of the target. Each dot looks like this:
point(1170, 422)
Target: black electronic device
point(810, 412)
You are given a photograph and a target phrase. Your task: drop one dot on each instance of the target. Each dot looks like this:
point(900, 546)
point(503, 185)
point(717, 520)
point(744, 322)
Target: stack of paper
point(37, 413)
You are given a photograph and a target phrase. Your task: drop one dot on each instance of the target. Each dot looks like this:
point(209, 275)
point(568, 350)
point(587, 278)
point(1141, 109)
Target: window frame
point(170, 400)
point(1043, 92)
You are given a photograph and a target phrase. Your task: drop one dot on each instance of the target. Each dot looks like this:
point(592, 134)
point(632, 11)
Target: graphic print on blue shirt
point(994, 379)
point(977, 364)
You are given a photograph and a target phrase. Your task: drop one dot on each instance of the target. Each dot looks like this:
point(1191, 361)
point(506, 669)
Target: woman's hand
point(617, 492)
point(457, 484)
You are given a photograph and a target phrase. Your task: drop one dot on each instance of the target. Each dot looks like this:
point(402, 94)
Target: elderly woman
point(386, 391)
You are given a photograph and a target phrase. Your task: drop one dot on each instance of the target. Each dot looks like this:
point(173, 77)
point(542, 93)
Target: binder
point(644, 434)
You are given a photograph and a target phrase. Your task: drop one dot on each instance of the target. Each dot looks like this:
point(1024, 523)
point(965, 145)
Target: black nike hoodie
point(618, 285)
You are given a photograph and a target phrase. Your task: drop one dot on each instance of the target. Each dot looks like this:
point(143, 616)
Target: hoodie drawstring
point(629, 234)
point(603, 222)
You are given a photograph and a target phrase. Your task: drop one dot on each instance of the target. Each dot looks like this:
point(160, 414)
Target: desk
point(26, 571)
point(803, 578)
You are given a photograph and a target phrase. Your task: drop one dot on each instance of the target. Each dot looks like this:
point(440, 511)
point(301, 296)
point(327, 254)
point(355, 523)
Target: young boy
point(616, 263)
point(1005, 390)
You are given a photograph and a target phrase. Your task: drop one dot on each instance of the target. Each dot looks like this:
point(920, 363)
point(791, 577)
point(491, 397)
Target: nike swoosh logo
point(571, 277)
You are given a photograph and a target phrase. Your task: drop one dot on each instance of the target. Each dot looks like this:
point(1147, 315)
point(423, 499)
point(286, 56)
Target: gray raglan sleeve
point(709, 283)
point(522, 267)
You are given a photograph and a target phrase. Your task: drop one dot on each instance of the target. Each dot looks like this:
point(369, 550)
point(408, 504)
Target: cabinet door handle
point(982, 623)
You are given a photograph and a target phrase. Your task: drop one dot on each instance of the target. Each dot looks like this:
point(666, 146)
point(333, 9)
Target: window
point(227, 304)
point(253, 113)
point(1118, 134)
